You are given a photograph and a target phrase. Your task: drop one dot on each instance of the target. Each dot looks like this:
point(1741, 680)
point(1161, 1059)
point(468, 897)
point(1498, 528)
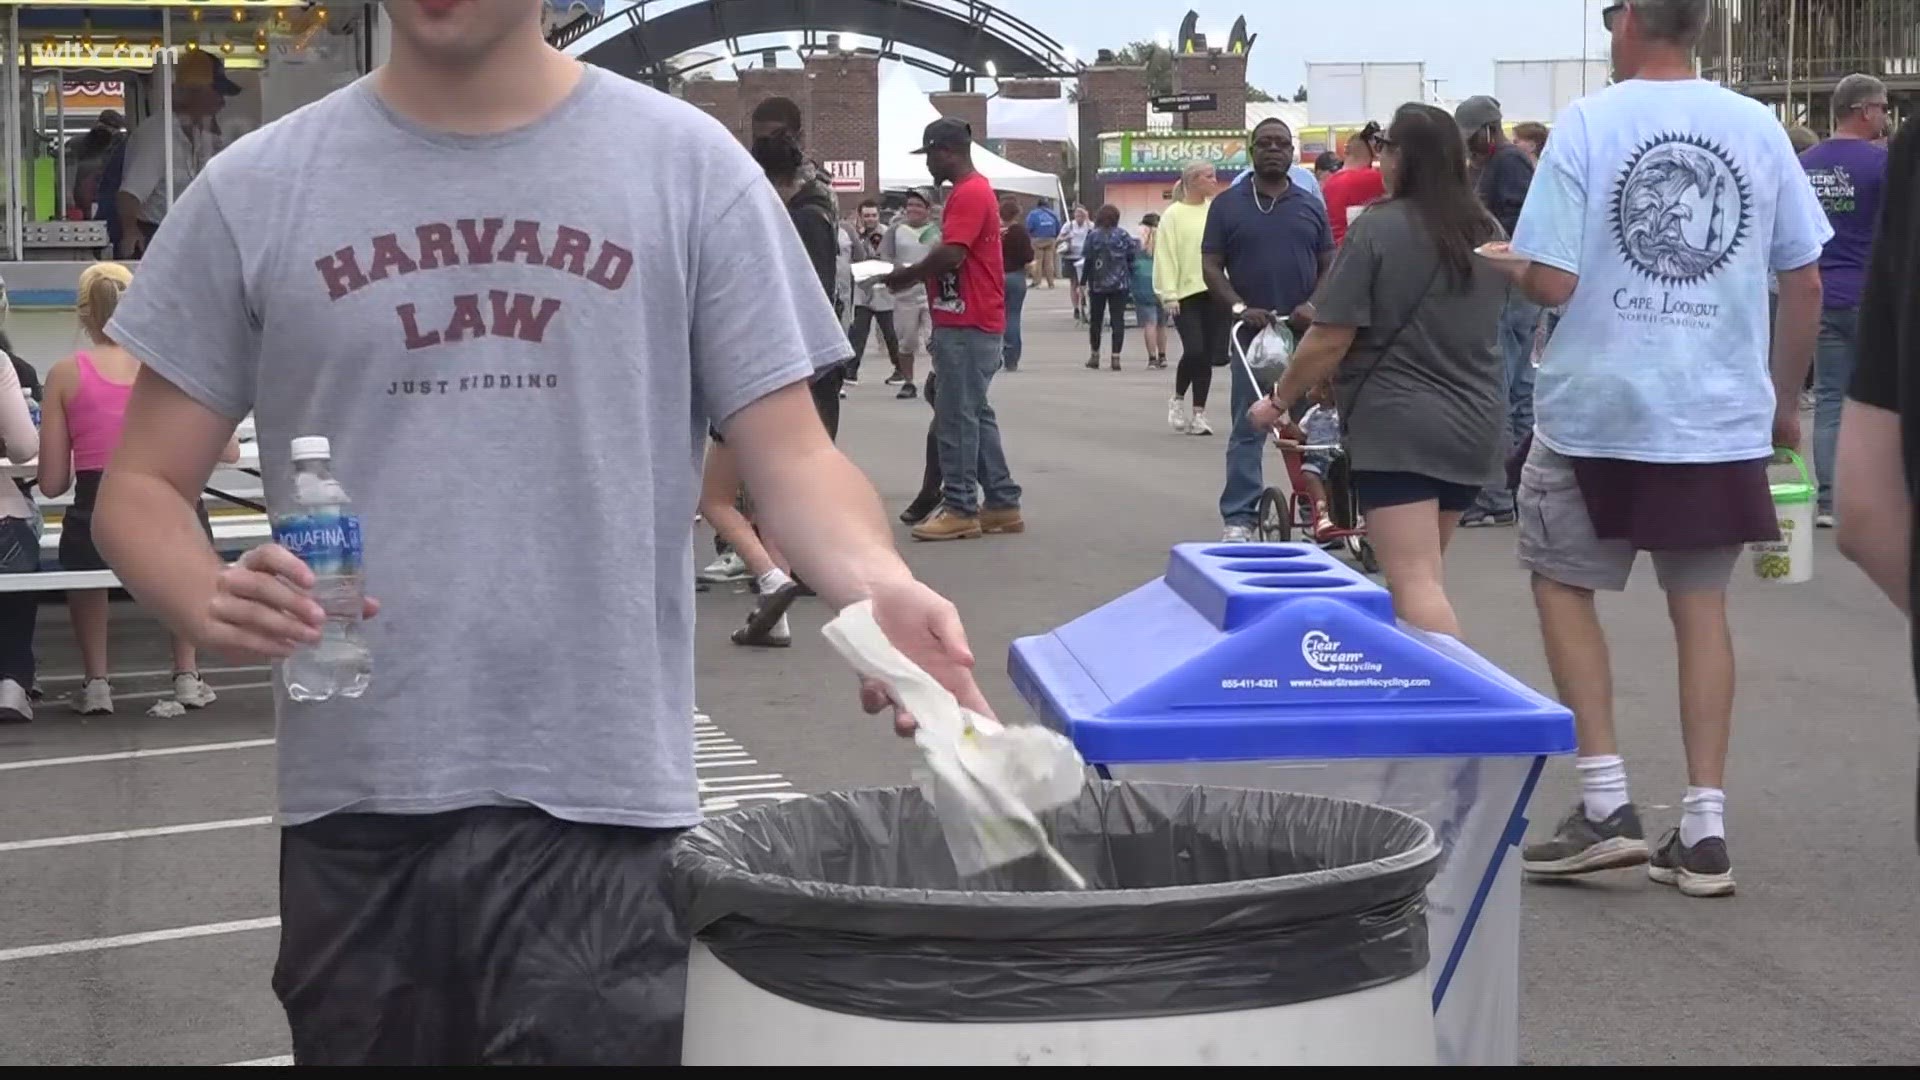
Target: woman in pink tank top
point(86, 403)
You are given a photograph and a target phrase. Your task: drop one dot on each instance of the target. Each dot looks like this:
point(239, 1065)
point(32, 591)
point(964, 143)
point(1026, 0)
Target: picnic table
point(249, 463)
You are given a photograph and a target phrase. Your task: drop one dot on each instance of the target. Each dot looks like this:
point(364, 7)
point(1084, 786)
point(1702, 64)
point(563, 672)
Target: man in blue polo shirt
point(1266, 245)
point(1043, 225)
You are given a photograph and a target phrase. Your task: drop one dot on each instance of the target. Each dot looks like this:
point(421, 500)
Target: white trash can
point(1224, 927)
point(1279, 667)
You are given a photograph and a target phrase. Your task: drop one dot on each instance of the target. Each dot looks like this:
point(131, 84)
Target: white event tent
point(905, 112)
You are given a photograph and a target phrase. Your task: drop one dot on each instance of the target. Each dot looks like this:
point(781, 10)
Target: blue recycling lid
point(1251, 652)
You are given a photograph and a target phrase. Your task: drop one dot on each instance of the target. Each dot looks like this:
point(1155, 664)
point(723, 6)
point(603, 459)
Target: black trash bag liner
point(1201, 899)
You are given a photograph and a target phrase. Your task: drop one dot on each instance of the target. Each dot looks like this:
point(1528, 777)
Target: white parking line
point(134, 834)
point(129, 755)
point(284, 1059)
point(148, 694)
point(155, 673)
point(121, 941)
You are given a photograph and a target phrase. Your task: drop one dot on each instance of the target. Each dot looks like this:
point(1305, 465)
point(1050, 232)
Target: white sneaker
point(728, 567)
point(190, 690)
point(1237, 534)
point(16, 705)
point(1177, 415)
point(1199, 426)
point(1825, 521)
point(94, 698)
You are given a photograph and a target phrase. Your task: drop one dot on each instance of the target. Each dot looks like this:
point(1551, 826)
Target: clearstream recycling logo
point(1323, 654)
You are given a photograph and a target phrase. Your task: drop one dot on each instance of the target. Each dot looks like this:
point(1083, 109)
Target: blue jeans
point(1518, 322)
point(1240, 499)
point(965, 428)
point(1832, 372)
point(1016, 300)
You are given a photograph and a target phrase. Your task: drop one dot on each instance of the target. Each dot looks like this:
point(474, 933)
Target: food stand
point(282, 53)
point(1138, 169)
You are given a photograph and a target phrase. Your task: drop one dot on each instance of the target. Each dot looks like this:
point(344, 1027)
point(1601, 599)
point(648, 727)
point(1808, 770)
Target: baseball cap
point(946, 133)
point(199, 67)
point(1477, 112)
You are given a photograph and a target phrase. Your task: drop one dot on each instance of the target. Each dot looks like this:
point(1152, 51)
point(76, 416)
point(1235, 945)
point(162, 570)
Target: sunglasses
point(1609, 14)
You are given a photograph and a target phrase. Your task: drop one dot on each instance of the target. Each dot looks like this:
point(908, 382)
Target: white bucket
point(730, 1021)
point(1788, 560)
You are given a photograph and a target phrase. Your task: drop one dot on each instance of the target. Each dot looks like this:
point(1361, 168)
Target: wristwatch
point(1239, 309)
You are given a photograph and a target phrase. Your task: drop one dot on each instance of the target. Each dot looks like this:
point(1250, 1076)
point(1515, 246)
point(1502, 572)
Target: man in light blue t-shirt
point(1661, 206)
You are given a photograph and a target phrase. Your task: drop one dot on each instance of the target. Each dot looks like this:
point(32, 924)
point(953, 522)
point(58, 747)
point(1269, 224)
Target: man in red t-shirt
point(967, 292)
point(1358, 183)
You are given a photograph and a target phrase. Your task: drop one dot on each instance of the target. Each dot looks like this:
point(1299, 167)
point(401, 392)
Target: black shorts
point(1374, 490)
point(76, 527)
point(493, 935)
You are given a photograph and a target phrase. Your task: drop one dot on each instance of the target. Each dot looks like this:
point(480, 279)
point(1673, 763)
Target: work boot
point(948, 524)
point(1002, 522)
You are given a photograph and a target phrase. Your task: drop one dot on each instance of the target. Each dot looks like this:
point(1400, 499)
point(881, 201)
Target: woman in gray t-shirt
point(1406, 323)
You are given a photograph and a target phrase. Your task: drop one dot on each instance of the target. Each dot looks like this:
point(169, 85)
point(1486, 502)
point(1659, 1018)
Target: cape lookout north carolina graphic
point(1681, 210)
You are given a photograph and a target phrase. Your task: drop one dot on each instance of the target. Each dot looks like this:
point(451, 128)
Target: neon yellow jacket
point(1176, 252)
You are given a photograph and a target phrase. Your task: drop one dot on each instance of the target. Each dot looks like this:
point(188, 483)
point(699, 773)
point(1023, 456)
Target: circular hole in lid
point(1300, 582)
point(1257, 551)
point(1298, 566)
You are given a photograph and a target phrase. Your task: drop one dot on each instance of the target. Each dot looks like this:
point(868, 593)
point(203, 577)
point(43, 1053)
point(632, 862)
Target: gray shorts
point(1558, 543)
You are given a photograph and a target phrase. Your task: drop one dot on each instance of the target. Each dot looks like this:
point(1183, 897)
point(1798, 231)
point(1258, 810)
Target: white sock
point(772, 580)
point(1603, 785)
point(1706, 809)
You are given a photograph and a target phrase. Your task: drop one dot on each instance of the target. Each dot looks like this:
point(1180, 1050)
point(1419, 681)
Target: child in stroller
point(1314, 440)
point(1321, 504)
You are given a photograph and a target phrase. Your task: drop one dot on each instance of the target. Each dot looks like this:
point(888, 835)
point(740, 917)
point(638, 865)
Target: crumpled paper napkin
point(986, 780)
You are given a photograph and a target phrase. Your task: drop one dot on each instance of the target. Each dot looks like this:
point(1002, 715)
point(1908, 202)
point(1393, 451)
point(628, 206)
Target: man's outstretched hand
point(924, 626)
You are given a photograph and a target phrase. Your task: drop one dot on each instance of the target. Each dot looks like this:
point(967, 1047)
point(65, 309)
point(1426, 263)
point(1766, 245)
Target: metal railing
point(985, 20)
point(1790, 42)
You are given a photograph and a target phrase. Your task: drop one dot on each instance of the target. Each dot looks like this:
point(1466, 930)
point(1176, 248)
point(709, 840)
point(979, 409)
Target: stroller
point(1281, 512)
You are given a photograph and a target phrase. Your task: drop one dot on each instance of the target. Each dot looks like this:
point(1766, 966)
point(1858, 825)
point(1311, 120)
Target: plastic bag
point(1203, 899)
point(1267, 357)
point(986, 780)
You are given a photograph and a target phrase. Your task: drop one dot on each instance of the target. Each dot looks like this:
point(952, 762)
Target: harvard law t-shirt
point(974, 295)
point(517, 374)
point(1672, 201)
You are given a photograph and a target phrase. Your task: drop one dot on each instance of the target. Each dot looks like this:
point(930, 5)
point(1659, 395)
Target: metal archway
point(973, 37)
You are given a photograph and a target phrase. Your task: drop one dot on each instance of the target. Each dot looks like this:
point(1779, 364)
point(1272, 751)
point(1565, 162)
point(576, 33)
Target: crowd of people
point(1601, 337)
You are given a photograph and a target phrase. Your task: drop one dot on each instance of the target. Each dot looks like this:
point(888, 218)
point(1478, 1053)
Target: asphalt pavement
point(137, 864)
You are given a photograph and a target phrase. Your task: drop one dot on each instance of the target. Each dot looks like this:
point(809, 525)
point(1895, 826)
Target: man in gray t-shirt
point(516, 373)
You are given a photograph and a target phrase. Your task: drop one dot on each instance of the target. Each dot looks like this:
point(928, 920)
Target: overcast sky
point(1458, 39)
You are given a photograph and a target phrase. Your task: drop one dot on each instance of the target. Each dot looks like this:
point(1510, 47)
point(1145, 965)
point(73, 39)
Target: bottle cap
point(311, 447)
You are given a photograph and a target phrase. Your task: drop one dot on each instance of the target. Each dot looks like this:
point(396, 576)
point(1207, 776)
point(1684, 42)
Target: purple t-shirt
point(1849, 176)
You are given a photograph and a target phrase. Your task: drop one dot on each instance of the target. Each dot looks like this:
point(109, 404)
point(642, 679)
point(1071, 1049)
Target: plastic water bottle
point(33, 407)
point(320, 527)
